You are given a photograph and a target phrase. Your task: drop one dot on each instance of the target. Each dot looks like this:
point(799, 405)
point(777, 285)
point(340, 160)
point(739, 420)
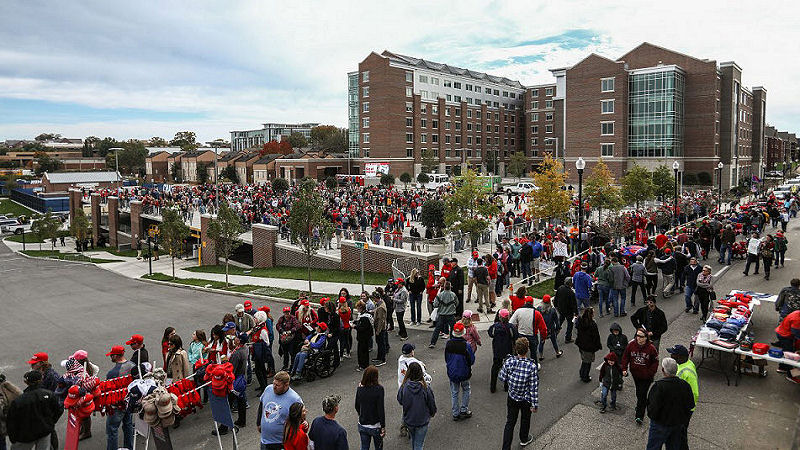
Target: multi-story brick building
point(774, 148)
point(544, 123)
point(248, 139)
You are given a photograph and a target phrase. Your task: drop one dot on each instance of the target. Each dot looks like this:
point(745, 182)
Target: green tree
point(331, 183)
point(433, 213)
point(47, 137)
point(423, 178)
point(79, 227)
point(230, 174)
point(337, 142)
point(551, 200)
point(321, 133)
point(663, 182)
point(468, 208)
point(156, 141)
point(46, 163)
point(600, 190)
point(131, 157)
point(518, 164)
point(104, 146)
point(637, 186)
point(428, 161)
point(89, 144)
point(297, 140)
point(306, 217)
point(405, 178)
point(175, 169)
point(387, 179)
point(172, 233)
point(46, 226)
point(224, 231)
point(186, 140)
point(202, 172)
point(280, 185)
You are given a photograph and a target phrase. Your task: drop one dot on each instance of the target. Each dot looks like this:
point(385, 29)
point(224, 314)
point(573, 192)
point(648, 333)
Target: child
point(611, 379)
point(470, 332)
point(616, 341)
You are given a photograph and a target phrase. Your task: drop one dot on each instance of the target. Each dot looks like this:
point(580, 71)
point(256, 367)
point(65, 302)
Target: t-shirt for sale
point(274, 409)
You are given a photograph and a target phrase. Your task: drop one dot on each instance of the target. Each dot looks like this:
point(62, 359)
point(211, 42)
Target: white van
point(437, 180)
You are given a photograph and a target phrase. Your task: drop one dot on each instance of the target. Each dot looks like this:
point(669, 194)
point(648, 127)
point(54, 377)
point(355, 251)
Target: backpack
point(792, 300)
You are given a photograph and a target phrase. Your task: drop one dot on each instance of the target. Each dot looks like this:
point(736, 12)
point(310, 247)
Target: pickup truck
point(522, 187)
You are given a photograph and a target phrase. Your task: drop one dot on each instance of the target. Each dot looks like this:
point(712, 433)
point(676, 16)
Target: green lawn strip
point(124, 253)
point(244, 288)
point(300, 273)
point(539, 290)
point(33, 238)
point(9, 207)
point(67, 256)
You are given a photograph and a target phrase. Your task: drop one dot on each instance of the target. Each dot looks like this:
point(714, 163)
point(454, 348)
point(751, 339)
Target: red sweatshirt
point(643, 360)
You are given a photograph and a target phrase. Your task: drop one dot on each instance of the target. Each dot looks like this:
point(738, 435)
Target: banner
point(221, 410)
point(373, 169)
point(73, 431)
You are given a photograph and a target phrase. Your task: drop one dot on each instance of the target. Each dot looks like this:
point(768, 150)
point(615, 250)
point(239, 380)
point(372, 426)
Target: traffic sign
point(362, 245)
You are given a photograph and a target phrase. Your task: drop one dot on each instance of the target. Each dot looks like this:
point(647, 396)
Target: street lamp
point(580, 164)
point(116, 161)
point(215, 145)
point(719, 189)
point(675, 167)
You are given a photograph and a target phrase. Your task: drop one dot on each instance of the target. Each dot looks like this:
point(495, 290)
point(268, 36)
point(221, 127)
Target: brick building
point(774, 148)
point(544, 123)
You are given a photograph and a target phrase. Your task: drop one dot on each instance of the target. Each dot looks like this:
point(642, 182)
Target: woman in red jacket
point(431, 288)
point(295, 431)
point(641, 358)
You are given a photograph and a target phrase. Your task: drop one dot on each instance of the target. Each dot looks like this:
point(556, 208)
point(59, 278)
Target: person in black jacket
point(652, 319)
point(669, 407)
point(588, 342)
point(370, 408)
point(364, 331)
point(456, 279)
point(32, 416)
point(567, 306)
point(503, 335)
point(617, 341)
point(561, 273)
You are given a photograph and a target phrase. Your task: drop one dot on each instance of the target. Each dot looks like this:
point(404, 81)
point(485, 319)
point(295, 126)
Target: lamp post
point(116, 162)
point(719, 189)
point(215, 145)
point(580, 164)
point(675, 167)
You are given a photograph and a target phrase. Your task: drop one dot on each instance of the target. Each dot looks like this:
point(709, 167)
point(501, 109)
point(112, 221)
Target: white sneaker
point(527, 441)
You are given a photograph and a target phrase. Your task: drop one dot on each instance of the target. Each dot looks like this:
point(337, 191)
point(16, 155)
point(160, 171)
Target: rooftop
point(452, 70)
point(81, 177)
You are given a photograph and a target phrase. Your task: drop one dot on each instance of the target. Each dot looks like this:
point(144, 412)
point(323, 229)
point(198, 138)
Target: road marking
point(721, 272)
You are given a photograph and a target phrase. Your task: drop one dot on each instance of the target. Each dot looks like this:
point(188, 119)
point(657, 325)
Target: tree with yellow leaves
point(550, 201)
point(600, 190)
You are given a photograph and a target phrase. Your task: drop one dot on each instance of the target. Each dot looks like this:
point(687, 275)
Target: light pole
point(580, 164)
point(719, 189)
point(675, 167)
point(116, 162)
point(215, 145)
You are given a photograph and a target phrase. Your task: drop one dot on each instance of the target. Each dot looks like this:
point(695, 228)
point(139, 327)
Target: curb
point(85, 263)
point(218, 291)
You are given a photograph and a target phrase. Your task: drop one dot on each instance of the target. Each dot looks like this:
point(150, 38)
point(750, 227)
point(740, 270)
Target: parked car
point(14, 226)
point(522, 187)
point(774, 174)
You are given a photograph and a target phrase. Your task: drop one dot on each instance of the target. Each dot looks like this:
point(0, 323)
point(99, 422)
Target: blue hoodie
point(459, 357)
point(582, 282)
point(418, 403)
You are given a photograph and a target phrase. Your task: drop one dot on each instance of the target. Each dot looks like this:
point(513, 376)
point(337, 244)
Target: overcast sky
point(138, 69)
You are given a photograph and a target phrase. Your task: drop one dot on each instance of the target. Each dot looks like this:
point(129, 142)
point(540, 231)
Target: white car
point(13, 226)
point(522, 187)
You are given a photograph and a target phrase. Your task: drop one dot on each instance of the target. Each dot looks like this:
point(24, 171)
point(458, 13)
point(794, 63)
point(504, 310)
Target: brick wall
point(75, 199)
point(288, 255)
point(209, 256)
point(264, 239)
point(136, 224)
point(113, 221)
point(378, 258)
point(95, 201)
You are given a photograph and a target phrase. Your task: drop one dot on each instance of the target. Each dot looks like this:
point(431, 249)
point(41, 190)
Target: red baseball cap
point(287, 309)
point(474, 254)
point(342, 300)
point(528, 299)
point(248, 304)
point(38, 357)
point(546, 298)
point(264, 308)
point(116, 350)
point(304, 302)
point(322, 325)
point(135, 339)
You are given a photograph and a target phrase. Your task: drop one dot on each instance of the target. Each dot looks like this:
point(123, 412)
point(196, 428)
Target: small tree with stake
point(47, 226)
point(171, 234)
point(80, 228)
point(405, 178)
point(307, 215)
point(468, 208)
point(387, 180)
point(224, 230)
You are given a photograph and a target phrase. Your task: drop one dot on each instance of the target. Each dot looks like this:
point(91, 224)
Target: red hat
point(73, 396)
point(38, 357)
point(342, 300)
point(546, 298)
point(528, 299)
point(135, 339)
point(323, 300)
point(431, 267)
point(304, 302)
point(264, 308)
point(458, 328)
point(287, 309)
point(475, 254)
point(322, 325)
point(399, 280)
point(667, 250)
point(248, 304)
point(116, 350)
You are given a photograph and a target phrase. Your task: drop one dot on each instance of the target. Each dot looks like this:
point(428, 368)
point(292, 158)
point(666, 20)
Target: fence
point(29, 198)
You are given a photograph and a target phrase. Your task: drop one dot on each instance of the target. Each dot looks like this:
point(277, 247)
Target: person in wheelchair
point(313, 344)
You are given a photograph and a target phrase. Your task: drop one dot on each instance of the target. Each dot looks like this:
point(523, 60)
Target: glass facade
point(352, 114)
point(655, 113)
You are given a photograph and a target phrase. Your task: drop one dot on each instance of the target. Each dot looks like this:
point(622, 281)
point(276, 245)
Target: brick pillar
point(136, 224)
point(264, 239)
point(95, 198)
point(75, 202)
point(208, 255)
point(113, 221)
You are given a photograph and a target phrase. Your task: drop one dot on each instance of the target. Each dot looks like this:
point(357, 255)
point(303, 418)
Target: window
point(457, 98)
point(548, 128)
point(488, 128)
point(534, 129)
point(366, 152)
point(606, 128)
point(469, 114)
point(548, 92)
point(365, 107)
point(409, 137)
point(458, 125)
point(468, 87)
point(366, 138)
point(435, 138)
point(457, 85)
point(449, 97)
point(409, 107)
point(548, 104)
point(548, 117)
point(496, 128)
point(447, 125)
point(535, 105)
point(606, 106)
point(423, 123)
point(423, 95)
point(469, 126)
point(436, 153)
point(496, 104)
point(434, 81)
point(423, 108)
point(534, 92)
point(409, 77)
point(478, 114)
point(365, 122)
point(409, 122)
point(435, 123)
point(458, 112)
point(607, 150)
point(513, 95)
point(434, 109)
point(447, 112)
point(423, 138)
point(434, 95)
point(469, 100)
point(478, 89)
point(505, 93)
point(534, 141)
point(496, 92)
point(607, 84)
point(478, 140)
point(365, 76)
point(448, 83)
point(534, 117)
point(512, 119)
point(365, 91)
point(496, 116)
point(458, 139)
point(423, 78)
point(409, 91)
point(469, 140)
point(409, 153)
point(446, 138)
point(446, 153)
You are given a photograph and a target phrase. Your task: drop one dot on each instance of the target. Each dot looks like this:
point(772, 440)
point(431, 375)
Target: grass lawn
point(300, 273)
point(247, 288)
point(129, 253)
point(539, 290)
point(9, 207)
point(67, 256)
point(33, 238)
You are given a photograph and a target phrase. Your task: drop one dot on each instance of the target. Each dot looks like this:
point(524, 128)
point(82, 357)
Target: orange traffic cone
point(408, 223)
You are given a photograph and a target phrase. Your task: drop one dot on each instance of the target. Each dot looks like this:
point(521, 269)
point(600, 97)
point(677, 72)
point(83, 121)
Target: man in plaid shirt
point(521, 375)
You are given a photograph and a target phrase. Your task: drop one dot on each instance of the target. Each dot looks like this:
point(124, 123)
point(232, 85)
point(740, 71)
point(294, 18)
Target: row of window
point(547, 129)
point(457, 85)
point(548, 117)
point(548, 104)
point(457, 112)
point(547, 92)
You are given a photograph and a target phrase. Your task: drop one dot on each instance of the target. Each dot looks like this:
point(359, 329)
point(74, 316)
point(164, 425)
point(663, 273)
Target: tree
point(275, 147)
point(433, 213)
point(103, 147)
point(663, 182)
point(230, 173)
point(172, 233)
point(405, 178)
point(297, 140)
point(79, 227)
point(550, 201)
point(156, 141)
point(280, 185)
point(202, 173)
point(36, 147)
point(307, 217)
point(336, 142)
point(46, 226)
point(186, 140)
point(224, 231)
point(518, 164)
point(321, 133)
point(131, 157)
point(47, 137)
point(468, 208)
point(690, 179)
point(175, 169)
point(423, 178)
point(331, 183)
point(387, 179)
point(89, 144)
point(600, 190)
point(637, 186)
point(46, 163)
point(428, 161)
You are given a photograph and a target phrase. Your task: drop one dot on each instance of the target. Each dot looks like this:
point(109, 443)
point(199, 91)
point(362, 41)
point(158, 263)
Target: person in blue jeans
point(459, 357)
point(691, 272)
point(669, 407)
point(611, 381)
point(604, 283)
point(582, 282)
point(419, 405)
point(371, 411)
point(121, 416)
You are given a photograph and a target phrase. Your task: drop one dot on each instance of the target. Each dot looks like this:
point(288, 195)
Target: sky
point(145, 68)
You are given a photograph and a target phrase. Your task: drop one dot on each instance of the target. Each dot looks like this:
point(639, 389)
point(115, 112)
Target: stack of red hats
point(221, 378)
point(189, 403)
point(181, 387)
point(115, 383)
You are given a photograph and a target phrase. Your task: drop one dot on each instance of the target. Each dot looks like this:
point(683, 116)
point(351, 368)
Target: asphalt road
point(59, 307)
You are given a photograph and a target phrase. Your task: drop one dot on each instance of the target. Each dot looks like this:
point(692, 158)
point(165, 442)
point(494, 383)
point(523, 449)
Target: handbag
point(712, 295)
point(287, 337)
point(435, 314)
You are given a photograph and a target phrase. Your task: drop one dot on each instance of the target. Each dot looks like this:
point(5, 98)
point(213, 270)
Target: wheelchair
point(318, 365)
